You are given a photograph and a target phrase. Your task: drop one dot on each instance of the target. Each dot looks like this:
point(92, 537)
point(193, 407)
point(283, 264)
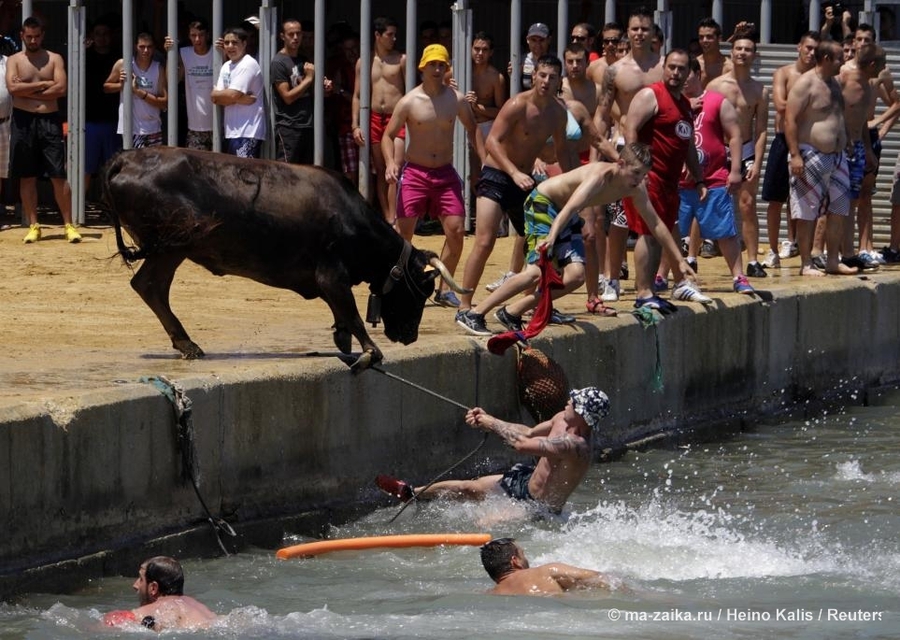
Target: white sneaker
point(785, 250)
point(496, 284)
point(610, 291)
point(687, 292)
point(772, 261)
point(877, 257)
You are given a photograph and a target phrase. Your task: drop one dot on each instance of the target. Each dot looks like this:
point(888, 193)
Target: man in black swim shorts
point(563, 445)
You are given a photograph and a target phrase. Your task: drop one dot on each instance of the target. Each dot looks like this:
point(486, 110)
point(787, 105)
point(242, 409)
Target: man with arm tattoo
point(563, 445)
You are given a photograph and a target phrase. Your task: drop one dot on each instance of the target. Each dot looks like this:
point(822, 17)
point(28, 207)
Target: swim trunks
point(664, 198)
point(715, 215)
point(615, 211)
point(540, 212)
point(436, 191)
point(856, 167)
point(36, 145)
point(824, 186)
point(776, 182)
point(515, 482)
point(498, 186)
point(378, 122)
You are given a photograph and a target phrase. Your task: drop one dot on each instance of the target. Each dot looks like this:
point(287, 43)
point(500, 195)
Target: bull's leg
point(152, 282)
point(347, 321)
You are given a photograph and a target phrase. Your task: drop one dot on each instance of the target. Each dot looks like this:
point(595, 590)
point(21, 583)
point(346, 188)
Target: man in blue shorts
point(563, 443)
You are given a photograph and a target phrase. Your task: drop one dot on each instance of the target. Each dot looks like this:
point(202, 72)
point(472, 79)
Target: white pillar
point(515, 47)
point(172, 74)
point(217, 28)
point(319, 92)
point(127, 62)
point(562, 28)
point(365, 95)
point(765, 21)
point(76, 106)
point(412, 45)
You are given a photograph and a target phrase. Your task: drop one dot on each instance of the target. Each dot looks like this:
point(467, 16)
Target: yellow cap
point(433, 53)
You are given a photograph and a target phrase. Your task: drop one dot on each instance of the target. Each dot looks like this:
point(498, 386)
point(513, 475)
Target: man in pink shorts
point(427, 181)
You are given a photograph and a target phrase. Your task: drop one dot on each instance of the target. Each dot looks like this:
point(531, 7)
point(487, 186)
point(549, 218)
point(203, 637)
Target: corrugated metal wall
point(773, 56)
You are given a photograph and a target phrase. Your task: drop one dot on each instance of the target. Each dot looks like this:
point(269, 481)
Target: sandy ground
point(71, 322)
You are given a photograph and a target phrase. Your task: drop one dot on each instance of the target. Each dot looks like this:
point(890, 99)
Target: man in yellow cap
point(427, 181)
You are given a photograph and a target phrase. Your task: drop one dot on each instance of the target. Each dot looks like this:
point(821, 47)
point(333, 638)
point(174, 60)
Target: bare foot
point(842, 270)
point(809, 270)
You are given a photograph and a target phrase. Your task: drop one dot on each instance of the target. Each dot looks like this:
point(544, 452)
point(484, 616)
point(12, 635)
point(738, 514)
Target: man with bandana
point(563, 445)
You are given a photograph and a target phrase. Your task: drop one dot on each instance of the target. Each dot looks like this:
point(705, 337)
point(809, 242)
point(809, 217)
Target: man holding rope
point(563, 443)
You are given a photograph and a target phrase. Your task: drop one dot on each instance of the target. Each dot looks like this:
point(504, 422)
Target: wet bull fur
point(300, 228)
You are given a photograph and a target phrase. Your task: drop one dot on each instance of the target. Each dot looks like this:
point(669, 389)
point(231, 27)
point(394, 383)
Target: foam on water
point(852, 471)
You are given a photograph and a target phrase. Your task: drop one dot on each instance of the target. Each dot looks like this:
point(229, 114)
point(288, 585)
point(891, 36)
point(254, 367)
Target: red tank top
point(710, 142)
point(668, 133)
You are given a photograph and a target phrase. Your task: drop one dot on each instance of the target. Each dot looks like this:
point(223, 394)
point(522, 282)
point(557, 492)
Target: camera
point(837, 9)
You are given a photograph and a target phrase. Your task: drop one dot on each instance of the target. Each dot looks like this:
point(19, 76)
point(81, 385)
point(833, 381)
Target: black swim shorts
point(36, 145)
point(515, 481)
point(498, 186)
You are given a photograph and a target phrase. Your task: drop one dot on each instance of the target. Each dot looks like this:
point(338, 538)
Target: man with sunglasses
point(611, 34)
point(584, 33)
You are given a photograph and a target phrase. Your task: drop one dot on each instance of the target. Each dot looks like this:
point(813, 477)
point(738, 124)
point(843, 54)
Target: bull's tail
point(109, 171)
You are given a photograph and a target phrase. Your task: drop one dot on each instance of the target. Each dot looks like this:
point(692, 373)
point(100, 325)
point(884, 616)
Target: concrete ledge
point(101, 472)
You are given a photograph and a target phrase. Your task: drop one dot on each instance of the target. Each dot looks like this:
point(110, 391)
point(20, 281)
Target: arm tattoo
point(508, 432)
point(563, 445)
point(609, 88)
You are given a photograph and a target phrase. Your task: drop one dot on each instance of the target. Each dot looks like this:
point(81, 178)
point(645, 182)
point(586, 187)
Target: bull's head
point(408, 286)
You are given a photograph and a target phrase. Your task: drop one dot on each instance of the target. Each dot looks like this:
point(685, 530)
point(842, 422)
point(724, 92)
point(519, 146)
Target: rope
point(184, 436)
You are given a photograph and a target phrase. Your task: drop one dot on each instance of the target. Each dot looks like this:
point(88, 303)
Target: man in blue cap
point(563, 444)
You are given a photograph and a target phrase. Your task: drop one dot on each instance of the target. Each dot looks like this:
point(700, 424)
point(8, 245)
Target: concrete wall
point(311, 437)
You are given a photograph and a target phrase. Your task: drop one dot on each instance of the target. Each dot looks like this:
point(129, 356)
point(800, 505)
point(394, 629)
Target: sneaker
point(660, 283)
point(890, 256)
point(446, 299)
point(395, 487)
point(508, 320)
point(692, 263)
point(496, 284)
point(558, 317)
point(72, 234)
point(655, 302)
point(862, 261)
point(473, 323)
point(742, 285)
point(685, 246)
point(623, 271)
point(785, 249)
point(818, 262)
point(33, 235)
point(772, 261)
point(687, 292)
point(876, 257)
point(755, 270)
point(610, 291)
point(707, 249)
point(795, 250)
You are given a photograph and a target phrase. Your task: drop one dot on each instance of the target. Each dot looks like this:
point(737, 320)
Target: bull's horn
point(445, 274)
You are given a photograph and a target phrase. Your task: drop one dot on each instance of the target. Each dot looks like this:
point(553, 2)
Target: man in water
point(507, 565)
point(160, 589)
point(564, 444)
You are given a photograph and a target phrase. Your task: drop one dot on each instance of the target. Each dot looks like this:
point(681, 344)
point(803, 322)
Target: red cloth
point(550, 279)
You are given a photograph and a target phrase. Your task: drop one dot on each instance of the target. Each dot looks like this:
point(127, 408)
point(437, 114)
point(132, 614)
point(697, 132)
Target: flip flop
point(395, 487)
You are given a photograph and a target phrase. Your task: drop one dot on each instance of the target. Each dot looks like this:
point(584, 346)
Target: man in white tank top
point(148, 95)
point(196, 69)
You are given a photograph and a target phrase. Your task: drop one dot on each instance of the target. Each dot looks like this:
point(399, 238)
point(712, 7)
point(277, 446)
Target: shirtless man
point(856, 79)
point(487, 95)
point(160, 590)
point(388, 86)
point(816, 136)
point(507, 565)
point(751, 101)
point(520, 131)
point(563, 444)
point(552, 224)
point(776, 181)
point(611, 35)
point(713, 63)
point(622, 80)
point(36, 80)
point(428, 178)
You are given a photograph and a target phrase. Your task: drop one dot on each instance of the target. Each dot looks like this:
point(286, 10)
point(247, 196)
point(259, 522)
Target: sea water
point(784, 531)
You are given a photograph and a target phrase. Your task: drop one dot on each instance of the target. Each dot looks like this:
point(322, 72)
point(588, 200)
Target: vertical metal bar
point(562, 27)
point(718, 11)
point(268, 34)
point(365, 95)
point(815, 15)
point(217, 29)
point(27, 10)
point(609, 14)
point(515, 46)
point(127, 62)
point(765, 21)
point(172, 74)
point(319, 91)
point(412, 45)
point(75, 108)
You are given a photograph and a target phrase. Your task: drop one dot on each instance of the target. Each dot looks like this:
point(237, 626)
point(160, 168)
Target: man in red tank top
point(660, 116)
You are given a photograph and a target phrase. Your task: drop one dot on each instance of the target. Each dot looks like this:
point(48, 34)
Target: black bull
point(300, 228)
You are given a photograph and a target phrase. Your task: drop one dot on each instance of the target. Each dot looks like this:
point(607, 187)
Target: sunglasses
point(579, 38)
point(611, 40)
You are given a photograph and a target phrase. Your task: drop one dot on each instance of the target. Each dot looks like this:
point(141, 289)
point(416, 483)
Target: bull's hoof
point(189, 350)
point(365, 360)
point(343, 340)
